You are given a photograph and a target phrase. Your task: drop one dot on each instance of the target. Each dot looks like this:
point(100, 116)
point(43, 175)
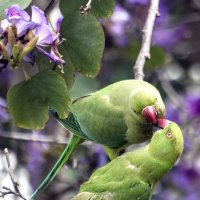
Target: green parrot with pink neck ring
point(116, 116)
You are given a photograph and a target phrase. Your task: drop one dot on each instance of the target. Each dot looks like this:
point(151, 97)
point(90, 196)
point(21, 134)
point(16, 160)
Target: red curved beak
point(162, 123)
point(149, 112)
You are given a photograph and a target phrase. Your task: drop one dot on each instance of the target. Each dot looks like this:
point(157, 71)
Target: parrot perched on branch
point(133, 175)
point(116, 116)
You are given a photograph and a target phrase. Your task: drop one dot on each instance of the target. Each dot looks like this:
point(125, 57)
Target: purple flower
point(38, 23)
point(34, 26)
point(18, 17)
point(42, 29)
point(15, 13)
point(52, 56)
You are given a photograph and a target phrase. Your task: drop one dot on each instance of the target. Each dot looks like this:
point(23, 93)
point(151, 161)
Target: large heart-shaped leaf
point(6, 3)
point(30, 100)
point(84, 42)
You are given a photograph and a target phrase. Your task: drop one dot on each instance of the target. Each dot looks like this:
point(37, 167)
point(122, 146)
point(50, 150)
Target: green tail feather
point(75, 140)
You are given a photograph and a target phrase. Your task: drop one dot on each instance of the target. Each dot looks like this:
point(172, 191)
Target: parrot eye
point(169, 135)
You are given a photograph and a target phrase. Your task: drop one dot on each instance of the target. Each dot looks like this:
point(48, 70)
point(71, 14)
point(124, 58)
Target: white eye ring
point(169, 135)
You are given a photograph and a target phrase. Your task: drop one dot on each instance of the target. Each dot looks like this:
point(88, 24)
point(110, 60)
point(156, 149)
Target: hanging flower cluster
point(21, 34)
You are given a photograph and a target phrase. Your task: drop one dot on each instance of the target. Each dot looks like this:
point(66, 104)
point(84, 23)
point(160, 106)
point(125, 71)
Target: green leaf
point(43, 62)
point(71, 6)
point(30, 100)
point(83, 86)
point(84, 43)
point(102, 8)
point(6, 3)
point(68, 74)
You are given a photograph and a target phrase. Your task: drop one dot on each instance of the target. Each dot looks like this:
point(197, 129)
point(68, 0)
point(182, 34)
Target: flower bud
point(4, 51)
point(16, 50)
point(28, 47)
point(11, 31)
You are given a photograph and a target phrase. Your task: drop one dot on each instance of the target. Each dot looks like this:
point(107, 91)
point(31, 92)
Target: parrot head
point(148, 104)
point(167, 142)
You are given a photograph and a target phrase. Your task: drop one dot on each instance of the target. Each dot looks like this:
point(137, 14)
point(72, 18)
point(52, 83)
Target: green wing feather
point(70, 123)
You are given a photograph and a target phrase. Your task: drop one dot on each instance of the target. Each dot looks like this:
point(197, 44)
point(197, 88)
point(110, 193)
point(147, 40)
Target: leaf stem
point(144, 53)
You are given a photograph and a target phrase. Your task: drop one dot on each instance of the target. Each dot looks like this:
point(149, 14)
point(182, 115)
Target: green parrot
point(133, 175)
point(116, 116)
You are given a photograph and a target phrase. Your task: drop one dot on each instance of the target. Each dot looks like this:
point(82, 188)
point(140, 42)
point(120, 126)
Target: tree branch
point(8, 191)
point(15, 184)
point(144, 53)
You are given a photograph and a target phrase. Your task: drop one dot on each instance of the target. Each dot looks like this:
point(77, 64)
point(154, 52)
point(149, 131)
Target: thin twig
point(144, 53)
point(15, 184)
point(8, 191)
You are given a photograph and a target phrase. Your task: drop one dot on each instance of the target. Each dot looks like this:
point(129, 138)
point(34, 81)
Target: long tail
point(74, 142)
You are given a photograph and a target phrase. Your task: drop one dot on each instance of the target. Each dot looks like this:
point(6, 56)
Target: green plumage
point(112, 117)
point(133, 175)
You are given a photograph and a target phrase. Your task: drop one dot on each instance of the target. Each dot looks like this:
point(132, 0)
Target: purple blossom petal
point(38, 16)
point(56, 19)
point(45, 35)
point(51, 56)
point(23, 27)
point(4, 24)
point(19, 18)
point(14, 12)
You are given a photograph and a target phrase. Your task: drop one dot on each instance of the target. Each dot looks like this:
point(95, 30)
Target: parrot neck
point(153, 169)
